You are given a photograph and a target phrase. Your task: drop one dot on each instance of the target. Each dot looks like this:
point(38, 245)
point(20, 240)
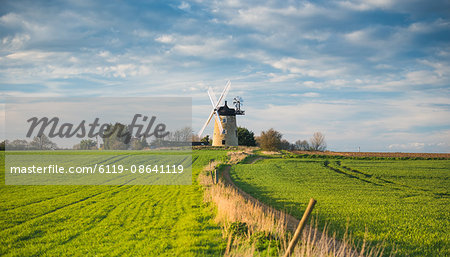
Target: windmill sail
point(206, 123)
point(212, 97)
point(215, 103)
point(224, 93)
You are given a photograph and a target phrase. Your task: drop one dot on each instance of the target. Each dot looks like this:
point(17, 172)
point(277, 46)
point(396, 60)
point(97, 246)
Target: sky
point(368, 74)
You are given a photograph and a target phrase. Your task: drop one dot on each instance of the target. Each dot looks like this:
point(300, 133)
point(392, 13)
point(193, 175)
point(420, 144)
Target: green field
point(402, 202)
point(110, 220)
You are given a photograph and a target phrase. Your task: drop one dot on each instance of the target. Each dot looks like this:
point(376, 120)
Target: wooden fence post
point(300, 227)
point(212, 176)
point(215, 176)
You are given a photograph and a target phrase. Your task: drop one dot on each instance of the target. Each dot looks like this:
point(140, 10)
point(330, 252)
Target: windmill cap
point(226, 111)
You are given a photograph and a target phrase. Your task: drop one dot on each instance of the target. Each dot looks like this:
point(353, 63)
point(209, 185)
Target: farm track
point(291, 221)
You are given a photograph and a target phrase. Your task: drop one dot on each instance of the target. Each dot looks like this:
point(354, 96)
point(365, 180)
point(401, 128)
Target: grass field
point(402, 202)
point(110, 220)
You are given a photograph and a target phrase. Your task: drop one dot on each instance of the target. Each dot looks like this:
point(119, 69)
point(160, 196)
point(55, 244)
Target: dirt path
point(291, 221)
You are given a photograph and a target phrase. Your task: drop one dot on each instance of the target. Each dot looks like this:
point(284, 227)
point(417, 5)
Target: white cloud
point(11, 19)
point(407, 146)
point(265, 18)
point(120, 70)
point(318, 67)
point(317, 35)
point(440, 68)
point(274, 77)
point(309, 83)
point(311, 94)
point(30, 56)
point(16, 42)
point(166, 39)
point(202, 47)
point(142, 33)
point(420, 147)
point(184, 6)
point(365, 5)
point(359, 36)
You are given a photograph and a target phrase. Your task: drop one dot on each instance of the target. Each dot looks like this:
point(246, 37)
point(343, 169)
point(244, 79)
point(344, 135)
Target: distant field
point(380, 154)
point(109, 220)
point(402, 202)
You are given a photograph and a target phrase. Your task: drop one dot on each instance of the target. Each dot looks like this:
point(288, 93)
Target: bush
point(246, 137)
point(270, 140)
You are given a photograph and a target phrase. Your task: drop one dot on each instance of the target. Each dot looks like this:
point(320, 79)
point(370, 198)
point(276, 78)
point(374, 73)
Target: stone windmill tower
point(225, 126)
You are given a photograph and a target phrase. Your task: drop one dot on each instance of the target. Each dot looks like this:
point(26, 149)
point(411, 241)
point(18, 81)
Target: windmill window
point(224, 131)
point(223, 142)
point(224, 120)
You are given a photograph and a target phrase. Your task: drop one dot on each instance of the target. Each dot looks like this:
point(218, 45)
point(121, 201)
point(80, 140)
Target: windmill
point(225, 128)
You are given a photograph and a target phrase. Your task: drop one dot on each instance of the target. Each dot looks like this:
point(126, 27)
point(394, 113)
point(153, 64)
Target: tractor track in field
point(60, 208)
point(64, 195)
point(337, 170)
point(48, 199)
point(395, 185)
point(79, 233)
point(377, 181)
point(97, 222)
point(39, 201)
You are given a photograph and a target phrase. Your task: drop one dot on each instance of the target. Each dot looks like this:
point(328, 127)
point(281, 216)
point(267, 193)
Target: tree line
point(272, 140)
point(121, 139)
point(38, 143)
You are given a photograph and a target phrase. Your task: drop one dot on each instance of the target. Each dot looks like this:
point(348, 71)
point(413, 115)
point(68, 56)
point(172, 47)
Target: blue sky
point(369, 74)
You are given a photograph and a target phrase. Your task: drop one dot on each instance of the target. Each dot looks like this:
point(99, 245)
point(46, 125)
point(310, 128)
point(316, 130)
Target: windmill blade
point(213, 98)
point(206, 123)
point(224, 92)
point(215, 104)
point(219, 124)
